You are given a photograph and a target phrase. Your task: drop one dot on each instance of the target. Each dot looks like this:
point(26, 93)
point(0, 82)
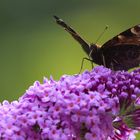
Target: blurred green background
point(32, 45)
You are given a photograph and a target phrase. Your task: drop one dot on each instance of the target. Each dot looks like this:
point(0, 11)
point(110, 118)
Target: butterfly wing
point(122, 52)
point(74, 34)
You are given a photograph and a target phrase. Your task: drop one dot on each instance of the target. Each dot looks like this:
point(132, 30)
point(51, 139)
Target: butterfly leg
point(82, 63)
point(104, 63)
point(112, 66)
point(113, 63)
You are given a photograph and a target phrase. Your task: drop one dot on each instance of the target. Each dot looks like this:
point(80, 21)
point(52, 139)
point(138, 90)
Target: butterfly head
point(95, 54)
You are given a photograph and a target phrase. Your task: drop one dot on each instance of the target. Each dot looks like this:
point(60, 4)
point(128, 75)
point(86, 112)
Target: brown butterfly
point(122, 52)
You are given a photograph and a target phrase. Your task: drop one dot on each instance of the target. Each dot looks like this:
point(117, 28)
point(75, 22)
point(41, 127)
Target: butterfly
point(122, 52)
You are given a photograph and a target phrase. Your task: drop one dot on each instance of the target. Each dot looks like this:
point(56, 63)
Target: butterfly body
point(96, 54)
point(122, 52)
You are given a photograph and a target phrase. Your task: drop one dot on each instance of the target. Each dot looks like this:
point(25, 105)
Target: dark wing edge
point(74, 34)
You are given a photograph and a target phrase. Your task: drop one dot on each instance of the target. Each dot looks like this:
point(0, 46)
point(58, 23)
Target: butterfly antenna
point(101, 34)
point(74, 34)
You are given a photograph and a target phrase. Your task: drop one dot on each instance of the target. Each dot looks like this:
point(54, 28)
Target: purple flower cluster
point(97, 105)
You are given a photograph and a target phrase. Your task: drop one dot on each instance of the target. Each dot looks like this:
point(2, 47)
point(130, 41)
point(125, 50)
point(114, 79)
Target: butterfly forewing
point(122, 52)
